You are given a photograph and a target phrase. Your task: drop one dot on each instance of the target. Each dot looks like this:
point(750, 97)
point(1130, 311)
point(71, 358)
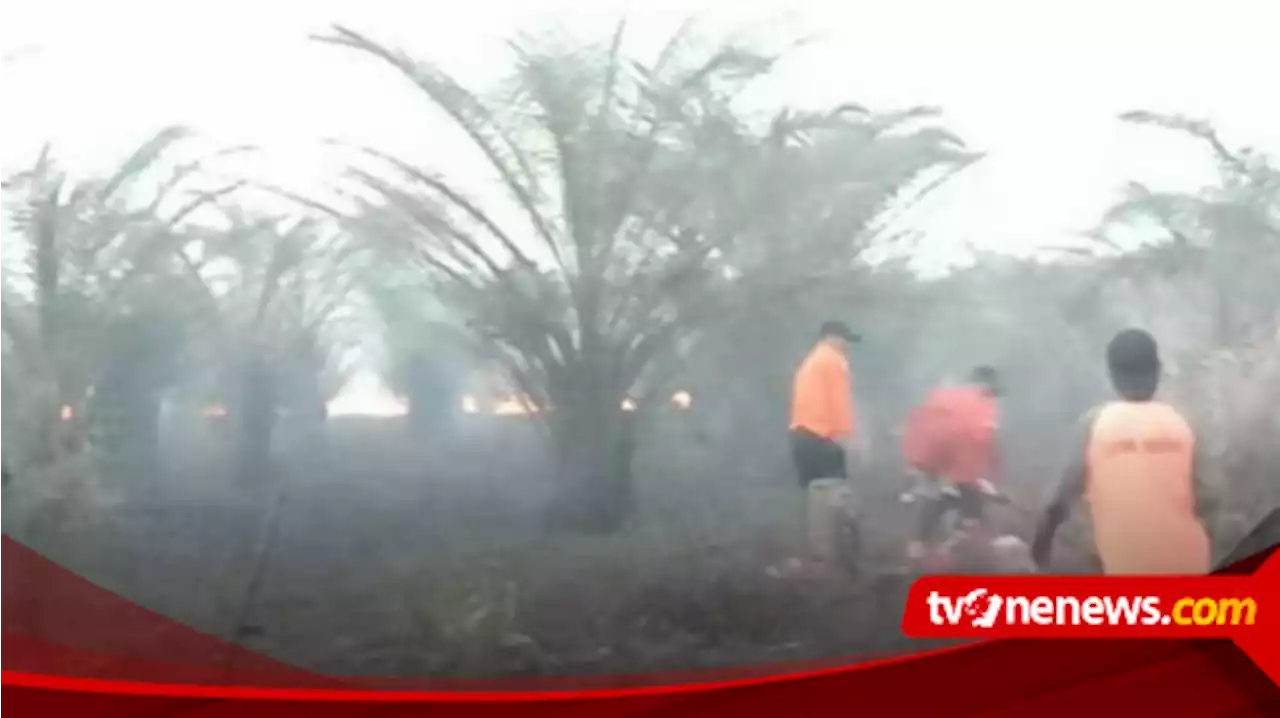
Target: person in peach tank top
point(1136, 463)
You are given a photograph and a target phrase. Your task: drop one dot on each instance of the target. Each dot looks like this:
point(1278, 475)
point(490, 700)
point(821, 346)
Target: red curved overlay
point(69, 645)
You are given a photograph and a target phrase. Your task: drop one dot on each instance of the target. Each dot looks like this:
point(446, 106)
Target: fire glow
point(514, 405)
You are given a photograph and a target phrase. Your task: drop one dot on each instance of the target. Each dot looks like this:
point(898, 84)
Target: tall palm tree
point(1223, 239)
point(646, 208)
point(272, 287)
point(81, 314)
point(425, 358)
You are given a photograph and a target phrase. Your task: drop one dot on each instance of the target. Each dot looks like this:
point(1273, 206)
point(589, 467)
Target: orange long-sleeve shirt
point(822, 395)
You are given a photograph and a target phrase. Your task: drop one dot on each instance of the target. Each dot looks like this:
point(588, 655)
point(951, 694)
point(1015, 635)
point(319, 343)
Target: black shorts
point(816, 458)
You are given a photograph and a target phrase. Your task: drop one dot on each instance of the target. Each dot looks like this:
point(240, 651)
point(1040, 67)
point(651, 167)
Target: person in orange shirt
point(823, 424)
point(1137, 465)
point(950, 440)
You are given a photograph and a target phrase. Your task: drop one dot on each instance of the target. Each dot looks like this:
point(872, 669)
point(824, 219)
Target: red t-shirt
point(952, 435)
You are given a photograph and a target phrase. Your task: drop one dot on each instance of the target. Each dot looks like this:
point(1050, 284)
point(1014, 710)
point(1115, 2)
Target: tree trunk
point(433, 398)
point(255, 422)
point(47, 437)
point(426, 412)
point(595, 443)
point(309, 418)
point(126, 432)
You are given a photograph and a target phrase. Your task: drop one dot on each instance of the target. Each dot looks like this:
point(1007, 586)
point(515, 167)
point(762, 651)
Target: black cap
point(834, 328)
point(986, 375)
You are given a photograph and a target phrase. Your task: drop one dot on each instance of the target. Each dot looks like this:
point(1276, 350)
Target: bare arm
point(1071, 485)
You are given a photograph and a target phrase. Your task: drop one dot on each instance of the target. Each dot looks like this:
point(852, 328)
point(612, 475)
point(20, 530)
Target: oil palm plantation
point(640, 207)
point(272, 288)
point(1219, 243)
point(87, 346)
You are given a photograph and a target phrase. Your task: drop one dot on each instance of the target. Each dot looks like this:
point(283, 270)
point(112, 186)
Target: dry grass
point(1232, 396)
point(397, 556)
point(386, 563)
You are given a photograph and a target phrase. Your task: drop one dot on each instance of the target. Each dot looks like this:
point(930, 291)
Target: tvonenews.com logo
point(980, 608)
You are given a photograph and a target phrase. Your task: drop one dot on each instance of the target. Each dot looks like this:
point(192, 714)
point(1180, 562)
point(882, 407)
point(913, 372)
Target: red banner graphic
point(1245, 609)
point(70, 646)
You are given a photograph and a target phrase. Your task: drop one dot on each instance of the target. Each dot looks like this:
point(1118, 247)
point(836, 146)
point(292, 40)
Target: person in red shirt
point(950, 440)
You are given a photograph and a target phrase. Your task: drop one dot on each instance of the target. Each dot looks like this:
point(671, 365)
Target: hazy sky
point(1035, 84)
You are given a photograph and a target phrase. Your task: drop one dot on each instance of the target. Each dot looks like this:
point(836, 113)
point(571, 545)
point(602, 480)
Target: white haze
point(1035, 85)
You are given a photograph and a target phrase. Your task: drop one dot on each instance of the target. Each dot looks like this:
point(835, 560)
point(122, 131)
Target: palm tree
point(81, 316)
point(1224, 238)
point(650, 211)
point(272, 288)
point(92, 295)
point(426, 359)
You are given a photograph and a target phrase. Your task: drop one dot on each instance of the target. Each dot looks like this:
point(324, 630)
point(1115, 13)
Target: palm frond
point(474, 118)
point(1196, 128)
point(453, 195)
point(141, 160)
